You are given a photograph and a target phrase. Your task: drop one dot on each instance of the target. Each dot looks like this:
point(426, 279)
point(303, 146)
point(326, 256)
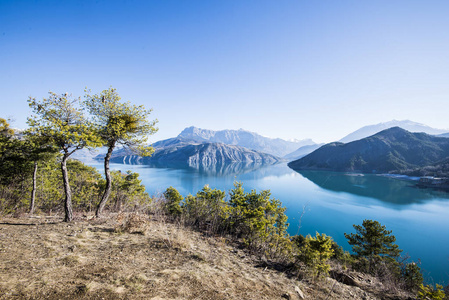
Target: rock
point(300, 293)
point(286, 296)
point(344, 278)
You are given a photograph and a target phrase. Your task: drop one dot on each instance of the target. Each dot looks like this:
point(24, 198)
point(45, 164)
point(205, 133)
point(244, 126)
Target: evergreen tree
point(120, 123)
point(374, 243)
point(59, 119)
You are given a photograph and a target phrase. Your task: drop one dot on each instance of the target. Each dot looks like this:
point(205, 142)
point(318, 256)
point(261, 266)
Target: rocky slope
point(193, 153)
point(389, 150)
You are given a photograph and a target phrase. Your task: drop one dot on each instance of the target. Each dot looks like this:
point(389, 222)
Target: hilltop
point(394, 149)
point(149, 259)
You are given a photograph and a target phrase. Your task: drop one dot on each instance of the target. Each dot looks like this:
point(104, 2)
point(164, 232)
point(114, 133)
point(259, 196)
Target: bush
point(206, 210)
point(86, 183)
point(315, 253)
point(260, 219)
point(411, 274)
point(173, 202)
point(256, 217)
point(128, 192)
point(429, 292)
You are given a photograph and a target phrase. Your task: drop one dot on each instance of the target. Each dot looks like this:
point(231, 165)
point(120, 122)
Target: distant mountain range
point(394, 149)
point(193, 153)
point(89, 156)
point(369, 130)
point(202, 148)
point(250, 140)
point(301, 152)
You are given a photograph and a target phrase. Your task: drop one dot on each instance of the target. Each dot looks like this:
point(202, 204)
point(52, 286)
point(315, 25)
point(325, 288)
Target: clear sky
point(282, 68)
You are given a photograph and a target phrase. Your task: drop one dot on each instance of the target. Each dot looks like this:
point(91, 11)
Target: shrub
point(173, 201)
point(429, 292)
point(315, 253)
point(128, 192)
point(411, 274)
point(206, 209)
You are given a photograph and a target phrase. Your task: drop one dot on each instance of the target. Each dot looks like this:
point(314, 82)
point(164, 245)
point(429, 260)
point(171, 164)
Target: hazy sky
point(289, 69)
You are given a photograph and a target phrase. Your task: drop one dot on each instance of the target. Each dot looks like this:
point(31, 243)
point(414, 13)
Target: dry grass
point(90, 259)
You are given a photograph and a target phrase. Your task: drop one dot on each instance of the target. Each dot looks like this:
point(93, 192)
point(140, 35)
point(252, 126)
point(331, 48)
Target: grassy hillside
point(133, 257)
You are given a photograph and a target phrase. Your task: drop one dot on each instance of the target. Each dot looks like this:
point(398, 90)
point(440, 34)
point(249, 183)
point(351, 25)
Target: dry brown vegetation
point(132, 257)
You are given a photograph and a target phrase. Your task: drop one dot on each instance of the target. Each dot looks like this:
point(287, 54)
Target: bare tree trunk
point(107, 173)
point(68, 192)
point(33, 192)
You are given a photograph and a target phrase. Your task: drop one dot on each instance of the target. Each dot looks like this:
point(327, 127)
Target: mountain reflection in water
point(218, 169)
point(379, 187)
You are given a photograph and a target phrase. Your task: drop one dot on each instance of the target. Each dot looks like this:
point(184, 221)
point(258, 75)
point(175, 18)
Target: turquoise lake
point(332, 202)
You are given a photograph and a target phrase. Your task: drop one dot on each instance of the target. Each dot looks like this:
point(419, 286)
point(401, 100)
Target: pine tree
point(120, 123)
point(374, 243)
point(59, 120)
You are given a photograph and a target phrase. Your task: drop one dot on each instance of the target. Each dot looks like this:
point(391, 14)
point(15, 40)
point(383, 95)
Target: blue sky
point(289, 69)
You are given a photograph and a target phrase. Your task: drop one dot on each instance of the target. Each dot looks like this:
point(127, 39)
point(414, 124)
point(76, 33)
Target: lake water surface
point(332, 202)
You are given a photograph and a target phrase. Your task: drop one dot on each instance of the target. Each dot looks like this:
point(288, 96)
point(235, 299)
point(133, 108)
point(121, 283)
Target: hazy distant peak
point(195, 132)
point(404, 124)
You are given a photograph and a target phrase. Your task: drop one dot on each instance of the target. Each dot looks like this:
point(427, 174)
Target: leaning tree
point(59, 119)
point(118, 123)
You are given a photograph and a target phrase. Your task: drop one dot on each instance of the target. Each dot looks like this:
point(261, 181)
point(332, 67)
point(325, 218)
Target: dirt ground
point(45, 258)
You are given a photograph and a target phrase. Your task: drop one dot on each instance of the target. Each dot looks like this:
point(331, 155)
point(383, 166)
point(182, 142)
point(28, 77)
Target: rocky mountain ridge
point(250, 140)
point(194, 153)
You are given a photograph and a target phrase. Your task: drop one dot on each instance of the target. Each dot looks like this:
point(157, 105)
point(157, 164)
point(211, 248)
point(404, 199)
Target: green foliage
point(412, 276)
point(206, 209)
point(429, 292)
point(260, 219)
point(84, 180)
point(87, 185)
point(127, 191)
point(315, 253)
point(373, 244)
point(5, 130)
point(19, 153)
point(120, 122)
point(174, 199)
point(343, 257)
point(14, 162)
point(256, 217)
point(59, 119)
